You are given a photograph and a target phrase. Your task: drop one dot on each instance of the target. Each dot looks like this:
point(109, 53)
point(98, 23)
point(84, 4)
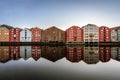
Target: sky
point(60, 13)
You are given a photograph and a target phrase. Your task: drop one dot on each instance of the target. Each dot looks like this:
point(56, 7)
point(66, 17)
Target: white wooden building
point(25, 35)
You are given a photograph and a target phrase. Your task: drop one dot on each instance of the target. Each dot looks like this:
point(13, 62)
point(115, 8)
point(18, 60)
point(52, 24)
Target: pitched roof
point(89, 25)
point(53, 27)
point(34, 28)
point(7, 26)
point(115, 28)
point(73, 27)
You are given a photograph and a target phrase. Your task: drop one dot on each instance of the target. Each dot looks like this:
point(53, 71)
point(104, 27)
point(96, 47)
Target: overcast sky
point(60, 13)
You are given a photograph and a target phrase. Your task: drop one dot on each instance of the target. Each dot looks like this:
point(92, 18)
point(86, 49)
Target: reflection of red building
point(74, 34)
point(36, 34)
point(14, 35)
point(104, 53)
point(14, 52)
point(104, 34)
point(36, 52)
point(74, 54)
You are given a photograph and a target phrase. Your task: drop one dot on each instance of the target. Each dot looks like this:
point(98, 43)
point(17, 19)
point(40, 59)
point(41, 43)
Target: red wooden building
point(36, 52)
point(14, 35)
point(14, 52)
point(104, 34)
point(74, 34)
point(36, 34)
point(74, 54)
point(104, 54)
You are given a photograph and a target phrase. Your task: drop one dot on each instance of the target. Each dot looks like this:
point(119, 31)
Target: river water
point(59, 63)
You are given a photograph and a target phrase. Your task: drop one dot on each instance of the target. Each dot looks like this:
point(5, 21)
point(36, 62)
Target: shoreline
point(58, 44)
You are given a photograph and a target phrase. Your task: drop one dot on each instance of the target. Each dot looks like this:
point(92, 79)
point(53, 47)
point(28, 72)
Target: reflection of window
point(74, 38)
point(54, 38)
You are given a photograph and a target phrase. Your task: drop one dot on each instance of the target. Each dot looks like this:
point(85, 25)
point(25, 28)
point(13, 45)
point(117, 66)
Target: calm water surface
point(59, 63)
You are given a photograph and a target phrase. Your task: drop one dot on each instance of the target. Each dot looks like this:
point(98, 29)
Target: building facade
point(36, 34)
point(91, 33)
point(74, 54)
point(104, 34)
point(115, 34)
point(74, 34)
point(104, 54)
point(14, 35)
point(36, 52)
point(53, 34)
point(4, 34)
point(14, 52)
point(25, 35)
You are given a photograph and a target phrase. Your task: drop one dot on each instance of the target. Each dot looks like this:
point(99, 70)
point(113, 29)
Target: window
point(95, 40)
point(28, 38)
point(2, 28)
point(86, 40)
point(4, 38)
point(22, 37)
point(14, 35)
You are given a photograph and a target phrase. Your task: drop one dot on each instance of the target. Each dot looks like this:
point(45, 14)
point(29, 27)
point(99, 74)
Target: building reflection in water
point(91, 55)
point(25, 52)
point(53, 53)
point(14, 52)
point(115, 53)
point(74, 54)
point(36, 52)
point(4, 54)
point(104, 54)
